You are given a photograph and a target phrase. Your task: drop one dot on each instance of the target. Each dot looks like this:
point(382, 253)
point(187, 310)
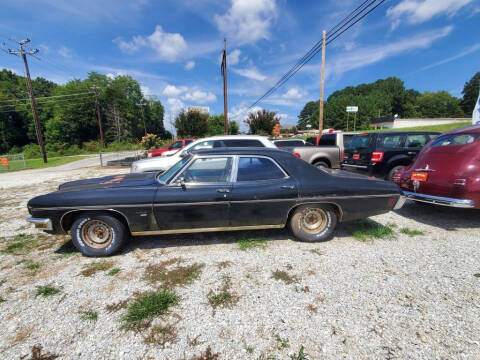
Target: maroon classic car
point(446, 171)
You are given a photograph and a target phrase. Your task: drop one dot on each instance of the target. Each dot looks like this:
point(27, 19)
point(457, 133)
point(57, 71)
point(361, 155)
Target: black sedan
point(212, 190)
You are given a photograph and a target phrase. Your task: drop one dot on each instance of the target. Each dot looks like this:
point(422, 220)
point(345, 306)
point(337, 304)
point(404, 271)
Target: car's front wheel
point(98, 234)
point(313, 222)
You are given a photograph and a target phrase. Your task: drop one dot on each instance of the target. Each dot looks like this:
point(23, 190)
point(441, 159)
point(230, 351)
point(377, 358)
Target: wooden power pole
point(100, 127)
point(322, 84)
point(142, 104)
point(224, 74)
point(38, 129)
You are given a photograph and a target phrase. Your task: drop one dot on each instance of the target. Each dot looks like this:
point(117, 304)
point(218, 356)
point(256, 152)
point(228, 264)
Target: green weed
point(46, 290)
point(368, 230)
point(94, 267)
point(181, 275)
point(89, 315)
point(411, 232)
point(284, 276)
point(113, 272)
point(246, 243)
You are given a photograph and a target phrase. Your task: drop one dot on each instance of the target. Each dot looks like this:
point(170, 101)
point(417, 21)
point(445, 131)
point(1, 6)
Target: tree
point(306, 115)
point(191, 124)
point(262, 122)
point(216, 126)
point(470, 94)
point(438, 104)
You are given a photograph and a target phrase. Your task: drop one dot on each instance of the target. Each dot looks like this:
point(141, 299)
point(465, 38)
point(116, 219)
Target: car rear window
point(328, 140)
point(359, 141)
point(188, 142)
point(455, 139)
point(389, 141)
point(238, 143)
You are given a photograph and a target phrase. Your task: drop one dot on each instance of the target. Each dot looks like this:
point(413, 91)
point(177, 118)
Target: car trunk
point(358, 151)
point(437, 161)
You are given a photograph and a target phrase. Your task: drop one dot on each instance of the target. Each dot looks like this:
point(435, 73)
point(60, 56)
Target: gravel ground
point(402, 297)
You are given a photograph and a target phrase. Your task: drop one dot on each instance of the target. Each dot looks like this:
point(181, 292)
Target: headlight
point(149, 155)
point(133, 168)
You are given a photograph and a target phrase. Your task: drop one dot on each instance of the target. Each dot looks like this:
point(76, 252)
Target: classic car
point(212, 190)
point(447, 170)
point(170, 149)
point(163, 163)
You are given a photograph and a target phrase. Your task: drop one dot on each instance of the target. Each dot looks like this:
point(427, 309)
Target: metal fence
point(12, 162)
point(123, 158)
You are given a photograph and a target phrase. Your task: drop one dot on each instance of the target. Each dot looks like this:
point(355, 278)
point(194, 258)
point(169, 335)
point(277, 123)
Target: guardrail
point(124, 158)
point(12, 162)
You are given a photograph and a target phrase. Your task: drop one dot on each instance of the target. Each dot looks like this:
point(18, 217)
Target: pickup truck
point(327, 150)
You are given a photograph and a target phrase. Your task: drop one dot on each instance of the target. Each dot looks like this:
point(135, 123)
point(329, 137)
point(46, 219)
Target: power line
point(50, 102)
point(49, 97)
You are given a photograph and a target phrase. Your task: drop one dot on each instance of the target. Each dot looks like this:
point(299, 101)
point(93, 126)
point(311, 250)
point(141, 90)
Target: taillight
point(296, 154)
point(280, 147)
point(377, 156)
point(460, 182)
point(343, 155)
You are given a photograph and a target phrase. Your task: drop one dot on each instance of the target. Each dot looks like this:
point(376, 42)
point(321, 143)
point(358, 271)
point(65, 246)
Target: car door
point(262, 192)
point(197, 197)
point(414, 143)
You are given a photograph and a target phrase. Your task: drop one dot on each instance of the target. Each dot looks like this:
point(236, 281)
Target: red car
point(446, 171)
point(176, 145)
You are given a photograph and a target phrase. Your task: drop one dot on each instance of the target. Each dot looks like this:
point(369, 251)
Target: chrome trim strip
point(83, 209)
point(94, 207)
point(401, 200)
point(439, 200)
point(186, 231)
point(355, 166)
point(41, 223)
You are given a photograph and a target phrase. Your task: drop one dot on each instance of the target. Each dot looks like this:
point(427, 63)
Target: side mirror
point(183, 153)
point(181, 182)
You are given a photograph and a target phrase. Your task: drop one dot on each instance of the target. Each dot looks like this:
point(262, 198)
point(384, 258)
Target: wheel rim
point(321, 165)
point(97, 234)
point(313, 220)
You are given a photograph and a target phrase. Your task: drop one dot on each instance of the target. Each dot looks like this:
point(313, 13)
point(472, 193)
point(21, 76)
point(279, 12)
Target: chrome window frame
point(171, 182)
point(235, 169)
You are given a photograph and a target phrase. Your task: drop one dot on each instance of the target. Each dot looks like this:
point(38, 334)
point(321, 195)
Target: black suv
point(381, 154)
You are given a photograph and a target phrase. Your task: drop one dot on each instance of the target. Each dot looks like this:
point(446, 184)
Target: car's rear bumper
point(41, 223)
point(439, 200)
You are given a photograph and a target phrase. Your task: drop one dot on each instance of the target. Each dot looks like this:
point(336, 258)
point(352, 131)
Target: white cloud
point(419, 11)
point(190, 65)
point(175, 105)
point(247, 20)
point(251, 73)
point(110, 76)
point(470, 50)
point(293, 94)
point(65, 52)
point(200, 97)
point(234, 57)
point(145, 90)
point(173, 91)
point(167, 46)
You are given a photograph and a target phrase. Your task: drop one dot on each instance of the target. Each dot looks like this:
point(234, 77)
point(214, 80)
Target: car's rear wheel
point(320, 164)
point(393, 171)
point(98, 234)
point(313, 222)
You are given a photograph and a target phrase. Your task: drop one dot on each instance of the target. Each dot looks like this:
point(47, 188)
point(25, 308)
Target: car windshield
point(359, 141)
point(163, 178)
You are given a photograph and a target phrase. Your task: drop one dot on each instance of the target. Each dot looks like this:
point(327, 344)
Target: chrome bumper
point(41, 223)
point(401, 200)
point(438, 200)
point(354, 166)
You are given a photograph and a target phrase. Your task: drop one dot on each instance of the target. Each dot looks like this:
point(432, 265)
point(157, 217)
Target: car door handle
point(223, 190)
point(288, 187)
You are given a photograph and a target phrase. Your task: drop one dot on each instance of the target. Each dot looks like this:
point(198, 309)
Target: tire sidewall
point(302, 235)
point(321, 164)
point(392, 171)
point(118, 231)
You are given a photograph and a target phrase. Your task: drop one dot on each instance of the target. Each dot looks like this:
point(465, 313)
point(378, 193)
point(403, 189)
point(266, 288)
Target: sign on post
point(353, 109)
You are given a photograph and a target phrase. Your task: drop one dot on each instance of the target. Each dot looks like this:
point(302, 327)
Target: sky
point(173, 48)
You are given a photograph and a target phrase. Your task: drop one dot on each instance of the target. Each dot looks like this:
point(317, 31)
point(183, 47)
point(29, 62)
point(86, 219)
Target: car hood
point(113, 181)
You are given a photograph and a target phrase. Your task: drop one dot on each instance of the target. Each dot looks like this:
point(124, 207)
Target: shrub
point(31, 151)
point(91, 146)
point(150, 141)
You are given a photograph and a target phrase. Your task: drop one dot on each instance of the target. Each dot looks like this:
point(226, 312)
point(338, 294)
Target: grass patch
point(149, 306)
point(440, 128)
point(281, 342)
point(284, 276)
point(2, 300)
point(16, 165)
point(181, 275)
point(46, 290)
point(95, 267)
point(301, 355)
point(223, 298)
point(246, 243)
point(113, 272)
point(32, 266)
point(161, 335)
point(89, 315)
point(411, 232)
point(369, 230)
point(21, 244)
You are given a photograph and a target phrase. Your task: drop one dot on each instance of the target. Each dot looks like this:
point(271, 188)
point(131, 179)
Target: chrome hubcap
point(97, 234)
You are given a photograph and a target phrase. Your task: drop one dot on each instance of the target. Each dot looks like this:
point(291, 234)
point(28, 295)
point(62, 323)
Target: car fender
point(400, 159)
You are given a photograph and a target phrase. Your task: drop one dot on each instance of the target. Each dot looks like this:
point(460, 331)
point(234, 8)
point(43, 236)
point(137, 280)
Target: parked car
point(172, 148)
point(212, 190)
point(163, 163)
point(447, 170)
point(326, 150)
point(382, 154)
point(290, 142)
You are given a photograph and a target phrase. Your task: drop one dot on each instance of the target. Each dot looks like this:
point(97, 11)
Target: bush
point(15, 150)
point(91, 146)
point(31, 151)
point(150, 141)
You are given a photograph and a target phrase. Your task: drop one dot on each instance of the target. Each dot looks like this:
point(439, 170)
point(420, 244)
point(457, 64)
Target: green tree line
point(386, 98)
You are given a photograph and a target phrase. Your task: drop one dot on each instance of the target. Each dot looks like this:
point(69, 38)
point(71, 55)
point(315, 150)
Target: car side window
point(258, 168)
point(238, 143)
point(207, 170)
point(455, 139)
point(389, 141)
point(188, 142)
point(176, 145)
point(416, 141)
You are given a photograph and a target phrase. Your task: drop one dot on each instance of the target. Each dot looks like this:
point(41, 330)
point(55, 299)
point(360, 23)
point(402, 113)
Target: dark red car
point(176, 145)
point(446, 171)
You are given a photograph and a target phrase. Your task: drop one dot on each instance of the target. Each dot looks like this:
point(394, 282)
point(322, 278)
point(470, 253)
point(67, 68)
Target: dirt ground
point(411, 293)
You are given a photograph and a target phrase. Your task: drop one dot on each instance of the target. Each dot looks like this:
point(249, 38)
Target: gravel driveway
point(415, 294)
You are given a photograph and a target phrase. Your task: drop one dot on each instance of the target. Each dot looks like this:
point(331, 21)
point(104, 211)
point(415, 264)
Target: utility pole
point(95, 92)
point(322, 84)
point(224, 74)
point(142, 104)
point(23, 54)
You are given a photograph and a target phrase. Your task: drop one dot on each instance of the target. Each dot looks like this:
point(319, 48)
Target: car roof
point(464, 129)
point(242, 151)
point(221, 137)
